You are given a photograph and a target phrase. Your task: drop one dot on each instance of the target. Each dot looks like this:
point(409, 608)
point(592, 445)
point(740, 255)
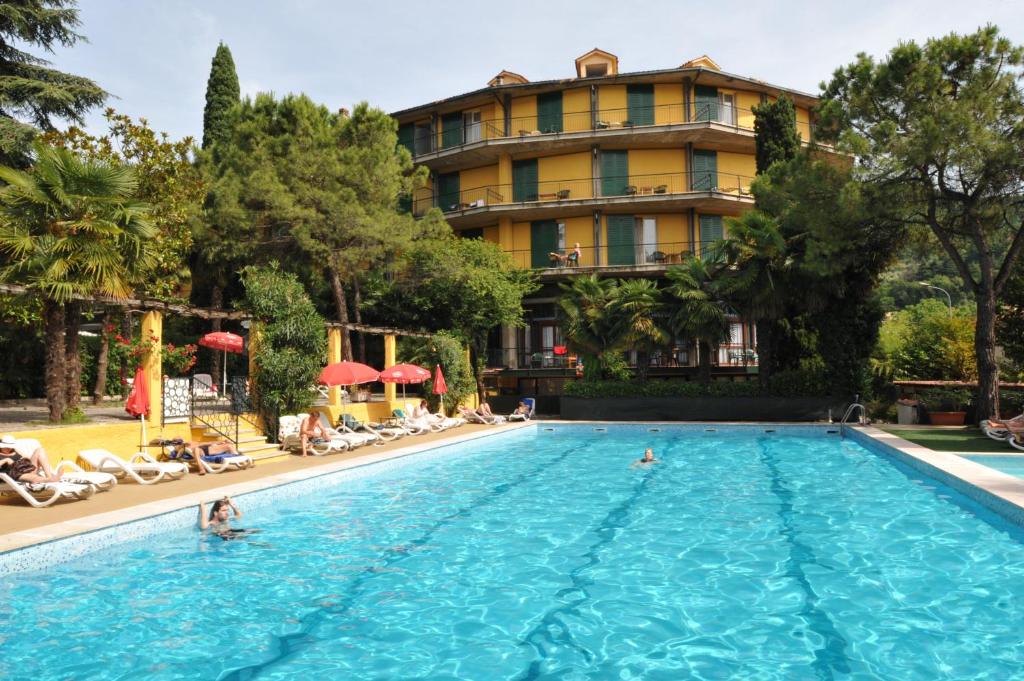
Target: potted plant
point(946, 405)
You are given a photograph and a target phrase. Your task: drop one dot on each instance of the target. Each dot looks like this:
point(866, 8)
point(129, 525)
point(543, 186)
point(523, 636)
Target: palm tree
point(695, 309)
point(585, 321)
point(69, 226)
point(635, 313)
point(759, 266)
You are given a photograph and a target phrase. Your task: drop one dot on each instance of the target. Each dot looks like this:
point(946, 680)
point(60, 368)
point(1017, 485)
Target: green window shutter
point(705, 101)
point(549, 112)
point(448, 191)
point(543, 242)
point(640, 100)
point(406, 134)
point(710, 231)
point(621, 249)
point(405, 203)
point(451, 130)
point(614, 172)
point(705, 170)
point(524, 180)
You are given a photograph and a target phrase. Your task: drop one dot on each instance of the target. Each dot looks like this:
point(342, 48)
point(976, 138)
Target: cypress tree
point(775, 135)
point(32, 93)
point(222, 93)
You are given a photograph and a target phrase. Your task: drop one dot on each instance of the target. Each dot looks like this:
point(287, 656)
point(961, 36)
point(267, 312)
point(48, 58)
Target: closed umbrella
point(227, 342)
point(404, 374)
point(440, 387)
point(138, 401)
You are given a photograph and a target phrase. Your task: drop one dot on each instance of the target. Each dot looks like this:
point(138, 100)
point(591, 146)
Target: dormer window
point(597, 63)
point(596, 70)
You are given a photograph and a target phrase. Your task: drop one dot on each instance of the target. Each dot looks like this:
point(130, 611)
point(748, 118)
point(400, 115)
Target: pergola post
point(390, 352)
point(152, 365)
point(334, 355)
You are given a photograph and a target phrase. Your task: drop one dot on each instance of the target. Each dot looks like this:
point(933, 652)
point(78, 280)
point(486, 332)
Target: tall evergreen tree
point(775, 134)
point(32, 93)
point(222, 93)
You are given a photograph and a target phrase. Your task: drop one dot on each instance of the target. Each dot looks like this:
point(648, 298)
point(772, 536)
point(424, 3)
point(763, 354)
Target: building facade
point(619, 173)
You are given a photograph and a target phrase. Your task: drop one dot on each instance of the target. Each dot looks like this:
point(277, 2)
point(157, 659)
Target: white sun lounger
point(73, 473)
point(353, 438)
point(291, 439)
point(142, 468)
point(42, 494)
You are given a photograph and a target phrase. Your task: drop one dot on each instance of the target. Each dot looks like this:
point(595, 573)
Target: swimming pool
point(1009, 464)
point(542, 554)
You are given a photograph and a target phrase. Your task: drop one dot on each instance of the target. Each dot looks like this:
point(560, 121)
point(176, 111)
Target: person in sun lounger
point(25, 468)
point(647, 458)
point(311, 430)
point(218, 522)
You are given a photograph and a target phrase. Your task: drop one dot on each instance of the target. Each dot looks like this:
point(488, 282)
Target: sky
point(153, 56)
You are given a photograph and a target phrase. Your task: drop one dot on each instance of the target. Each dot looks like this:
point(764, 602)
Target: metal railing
point(550, 191)
point(659, 253)
point(681, 355)
point(225, 413)
point(440, 138)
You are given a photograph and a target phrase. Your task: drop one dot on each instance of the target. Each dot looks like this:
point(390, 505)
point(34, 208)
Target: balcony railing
point(427, 141)
point(680, 355)
point(563, 260)
point(550, 191)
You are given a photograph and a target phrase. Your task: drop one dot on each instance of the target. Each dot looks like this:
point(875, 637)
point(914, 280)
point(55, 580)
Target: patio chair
point(998, 430)
point(408, 425)
point(658, 257)
point(42, 494)
point(291, 439)
point(69, 470)
point(531, 403)
point(203, 387)
point(382, 433)
point(142, 468)
point(562, 194)
point(354, 439)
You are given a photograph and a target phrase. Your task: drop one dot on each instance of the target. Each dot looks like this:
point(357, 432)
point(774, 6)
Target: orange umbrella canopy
point(440, 387)
point(347, 373)
point(404, 373)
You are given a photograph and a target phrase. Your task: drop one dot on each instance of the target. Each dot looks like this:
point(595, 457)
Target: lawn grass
point(966, 439)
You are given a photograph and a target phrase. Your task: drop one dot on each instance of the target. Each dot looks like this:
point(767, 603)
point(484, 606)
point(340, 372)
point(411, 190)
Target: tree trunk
point(217, 302)
point(643, 365)
point(704, 362)
point(56, 390)
point(764, 351)
point(357, 300)
point(987, 404)
point(72, 360)
point(102, 360)
point(339, 302)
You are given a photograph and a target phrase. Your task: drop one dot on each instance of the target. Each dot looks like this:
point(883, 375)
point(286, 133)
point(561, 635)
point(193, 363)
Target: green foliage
point(33, 93)
point(783, 384)
point(222, 94)
point(447, 350)
point(696, 310)
point(21, 337)
point(588, 326)
point(1010, 323)
point(947, 398)
point(290, 342)
point(637, 320)
point(924, 342)
point(775, 133)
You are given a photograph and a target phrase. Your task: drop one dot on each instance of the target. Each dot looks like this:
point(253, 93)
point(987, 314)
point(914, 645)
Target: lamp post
point(937, 288)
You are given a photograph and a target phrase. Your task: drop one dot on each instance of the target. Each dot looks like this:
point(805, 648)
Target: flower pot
point(947, 418)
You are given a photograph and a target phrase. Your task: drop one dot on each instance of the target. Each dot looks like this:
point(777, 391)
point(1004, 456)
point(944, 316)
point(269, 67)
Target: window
point(621, 245)
point(549, 112)
point(405, 136)
point(423, 141)
point(705, 103)
point(727, 106)
point(640, 103)
point(524, 180)
point(705, 170)
point(646, 239)
point(451, 130)
point(596, 70)
point(561, 237)
point(614, 173)
point(471, 126)
point(544, 239)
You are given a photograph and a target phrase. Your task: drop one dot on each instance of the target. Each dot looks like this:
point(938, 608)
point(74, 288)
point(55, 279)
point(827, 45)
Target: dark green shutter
point(705, 170)
point(451, 130)
point(543, 242)
point(705, 100)
point(549, 112)
point(640, 100)
point(448, 191)
point(710, 232)
point(620, 240)
point(406, 134)
point(524, 180)
point(405, 203)
point(614, 172)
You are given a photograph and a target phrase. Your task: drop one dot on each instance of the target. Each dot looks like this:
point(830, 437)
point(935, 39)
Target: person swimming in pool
point(647, 458)
point(218, 522)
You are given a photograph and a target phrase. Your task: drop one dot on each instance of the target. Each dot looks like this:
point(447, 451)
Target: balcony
point(558, 360)
point(715, 192)
point(629, 259)
point(726, 128)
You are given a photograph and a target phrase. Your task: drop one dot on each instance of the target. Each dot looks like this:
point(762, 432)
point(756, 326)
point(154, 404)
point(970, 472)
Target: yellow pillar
point(505, 177)
point(390, 353)
point(334, 355)
point(152, 365)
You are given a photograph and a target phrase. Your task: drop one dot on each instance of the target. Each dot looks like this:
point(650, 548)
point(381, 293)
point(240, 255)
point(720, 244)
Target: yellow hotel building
point(638, 169)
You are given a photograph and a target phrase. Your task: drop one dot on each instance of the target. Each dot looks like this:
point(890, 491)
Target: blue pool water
point(1011, 465)
point(544, 555)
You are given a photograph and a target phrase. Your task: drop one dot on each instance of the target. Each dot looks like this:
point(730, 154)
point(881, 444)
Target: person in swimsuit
point(25, 468)
point(647, 458)
point(219, 520)
point(311, 430)
point(198, 448)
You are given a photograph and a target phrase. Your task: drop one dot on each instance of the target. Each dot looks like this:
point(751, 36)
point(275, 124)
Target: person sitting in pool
point(311, 430)
point(23, 468)
point(647, 458)
point(219, 520)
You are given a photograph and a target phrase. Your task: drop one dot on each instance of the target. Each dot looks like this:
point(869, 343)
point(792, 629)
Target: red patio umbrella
point(138, 400)
point(228, 342)
point(347, 373)
point(440, 387)
point(404, 374)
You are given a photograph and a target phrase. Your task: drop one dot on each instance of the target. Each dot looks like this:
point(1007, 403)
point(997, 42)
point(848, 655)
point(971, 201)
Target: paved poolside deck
point(24, 525)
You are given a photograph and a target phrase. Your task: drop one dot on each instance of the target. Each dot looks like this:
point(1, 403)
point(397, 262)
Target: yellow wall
point(668, 103)
point(576, 109)
point(524, 114)
point(474, 183)
point(520, 243)
point(119, 438)
point(745, 103)
point(611, 100)
point(568, 171)
point(491, 234)
point(577, 229)
point(649, 168)
point(673, 232)
point(735, 171)
point(423, 198)
point(803, 124)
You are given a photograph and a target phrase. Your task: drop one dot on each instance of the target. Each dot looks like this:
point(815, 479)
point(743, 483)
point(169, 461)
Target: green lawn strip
point(966, 439)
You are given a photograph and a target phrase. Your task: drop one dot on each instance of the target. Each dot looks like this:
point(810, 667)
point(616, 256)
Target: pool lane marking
point(287, 645)
point(836, 660)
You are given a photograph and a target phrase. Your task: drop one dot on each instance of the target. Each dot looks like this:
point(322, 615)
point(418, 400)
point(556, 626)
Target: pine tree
point(222, 93)
point(31, 93)
point(775, 135)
